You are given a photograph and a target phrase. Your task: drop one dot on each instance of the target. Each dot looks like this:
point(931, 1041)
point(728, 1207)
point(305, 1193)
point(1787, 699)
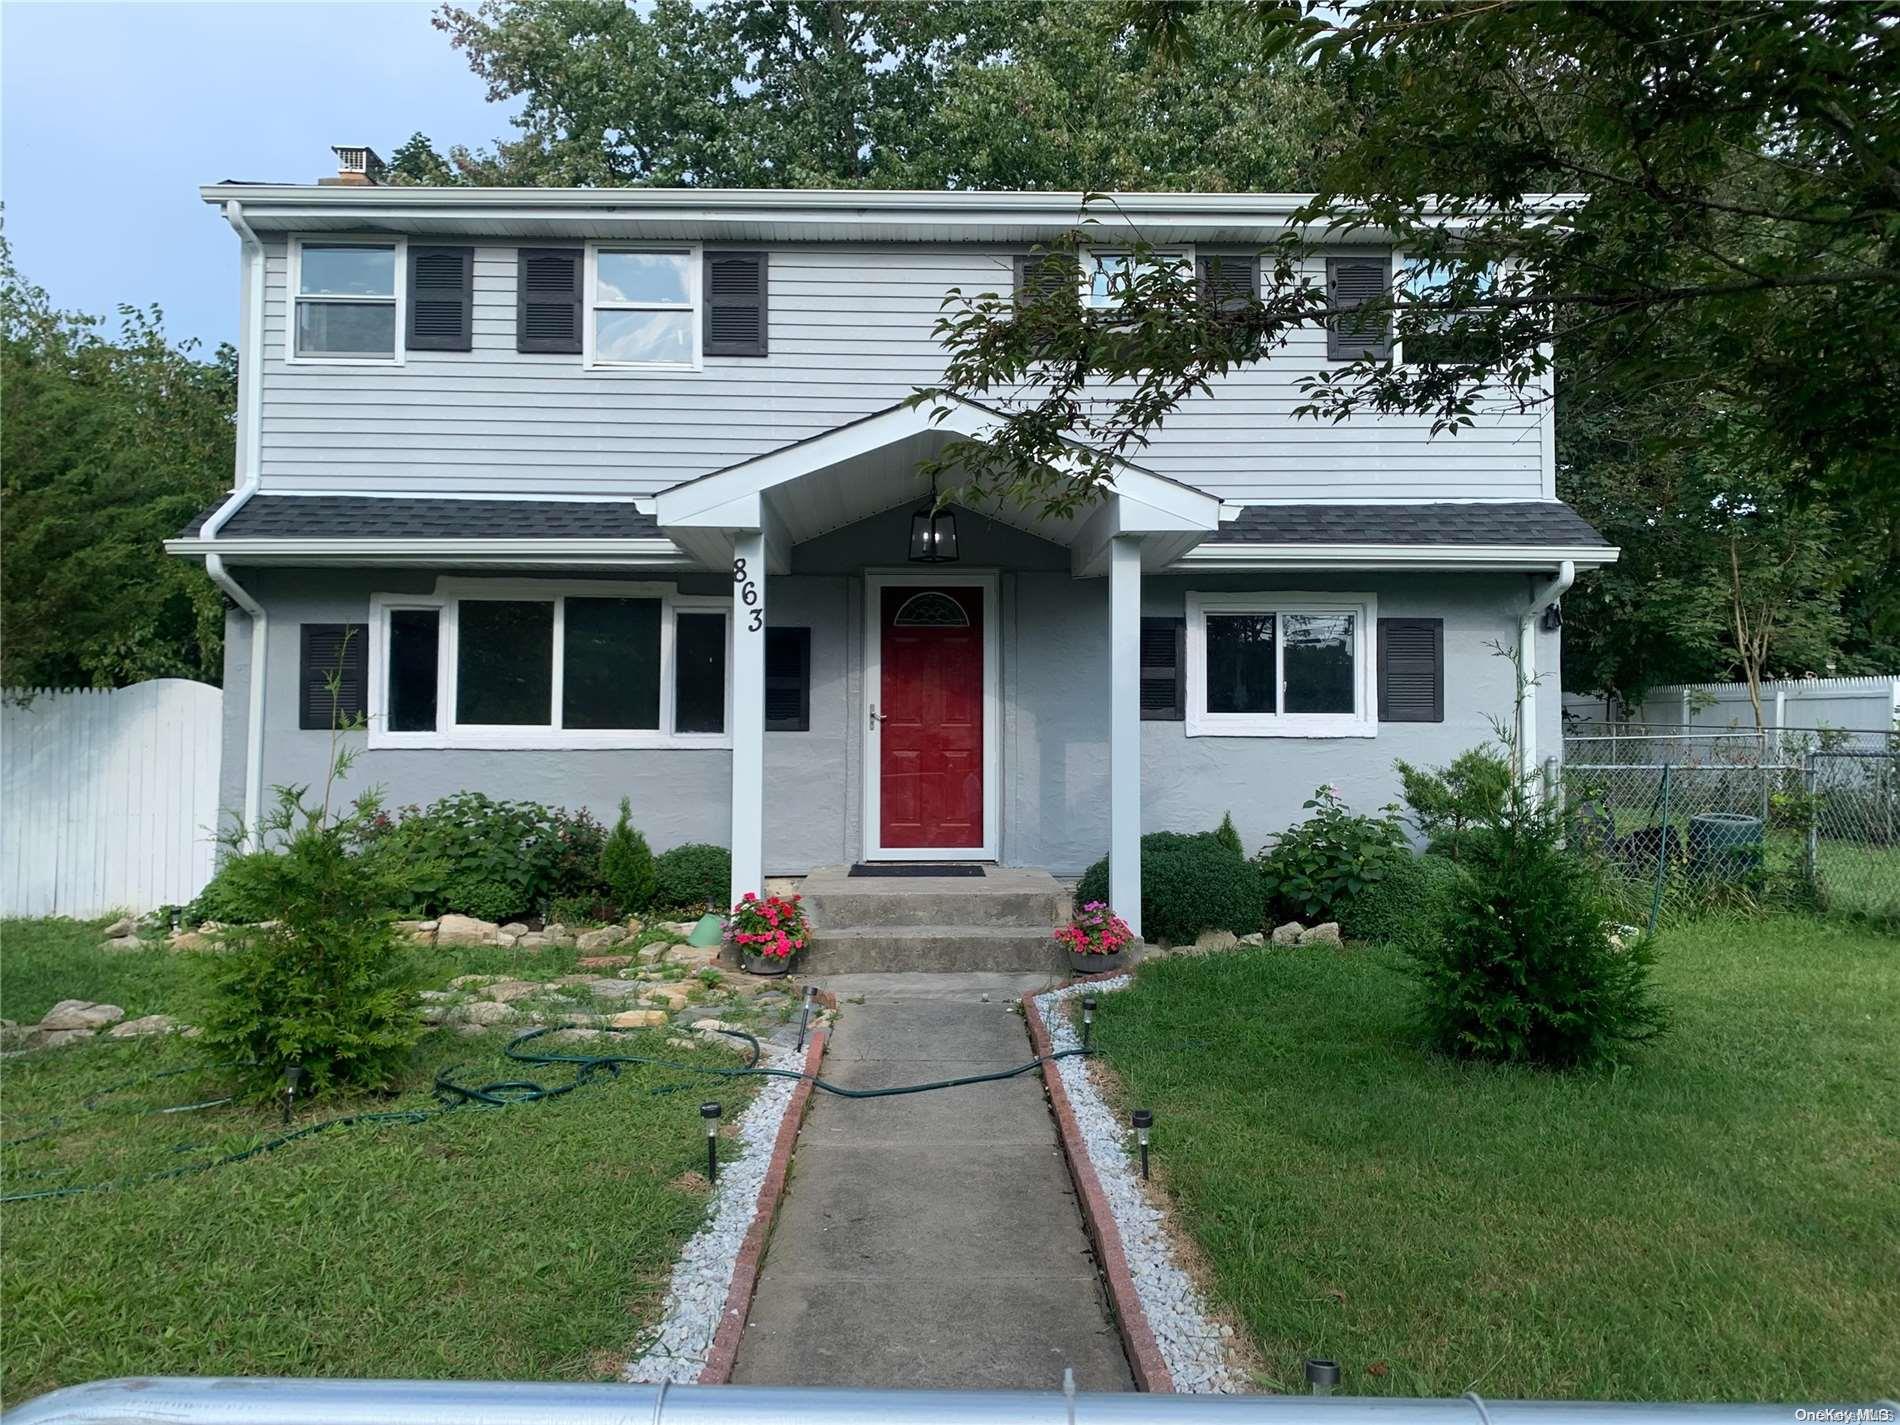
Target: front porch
point(930, 707)
point(1000, 920)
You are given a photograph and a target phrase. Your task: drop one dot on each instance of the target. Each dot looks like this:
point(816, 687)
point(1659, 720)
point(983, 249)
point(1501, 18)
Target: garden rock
point(1326, 933)
point(650, 954)
point(605, 962)
point(635, 925)
point(672, 996)
point(119, 944)
point(1216, 940)
point(694, 957)
point(508, 991)
point(514, 927)
point(1257, 938)
point(1288, 934)
point(52, 1038)
point(71, 1014)
point(469, 982)
point(119, 928)
point(465, 930)
point(605, 938)
point(574, 1036)
point(482, 1012)
point(420, 931)
point(638, 1019)
point(143, 1025)
point(614, 989)
point(180, 940)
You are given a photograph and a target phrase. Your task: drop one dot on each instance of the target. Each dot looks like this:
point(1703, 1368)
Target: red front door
point(930, 768)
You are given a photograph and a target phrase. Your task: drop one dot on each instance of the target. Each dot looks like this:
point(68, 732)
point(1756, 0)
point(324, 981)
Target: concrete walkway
point(930, 1239)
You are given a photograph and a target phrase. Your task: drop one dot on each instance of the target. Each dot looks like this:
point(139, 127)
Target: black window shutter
point(441, 298)
point(1411, 670)
point(788, 680)
point(1163, 669)
point(1038, 274)
point(1351, 281)
point(735, 301)
point(1230, 280)
point(339, 650)
point(548, 299)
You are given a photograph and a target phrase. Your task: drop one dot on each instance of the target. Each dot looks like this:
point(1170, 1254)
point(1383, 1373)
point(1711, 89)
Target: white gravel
point(677, 1348)
point(1193, 1347)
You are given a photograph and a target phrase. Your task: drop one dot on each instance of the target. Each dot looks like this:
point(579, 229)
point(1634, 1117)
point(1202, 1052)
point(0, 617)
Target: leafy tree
point(626, 863)
point(109, 446)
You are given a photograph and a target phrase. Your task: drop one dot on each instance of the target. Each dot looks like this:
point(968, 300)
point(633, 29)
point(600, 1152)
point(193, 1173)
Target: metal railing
point(186, 1400)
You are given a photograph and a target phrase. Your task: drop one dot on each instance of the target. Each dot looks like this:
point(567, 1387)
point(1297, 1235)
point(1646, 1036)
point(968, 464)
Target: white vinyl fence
point(108, 799)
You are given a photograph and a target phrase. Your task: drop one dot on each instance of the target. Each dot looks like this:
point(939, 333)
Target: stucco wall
point(1054, 639)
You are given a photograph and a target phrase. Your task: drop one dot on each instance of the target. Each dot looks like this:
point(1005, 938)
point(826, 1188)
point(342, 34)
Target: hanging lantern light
point(933, 532)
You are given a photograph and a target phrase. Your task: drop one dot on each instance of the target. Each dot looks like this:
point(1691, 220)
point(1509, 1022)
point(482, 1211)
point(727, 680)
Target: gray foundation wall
point(1053, 640)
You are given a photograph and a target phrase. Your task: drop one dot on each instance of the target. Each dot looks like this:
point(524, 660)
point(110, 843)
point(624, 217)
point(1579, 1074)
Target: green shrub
point(1314, 870)
point(1228, 836)
point(1190, 882)
point(1404, 901)
point(470, 850)
point(626, 864)
point(582, 910)
point(1447, 802)
point(1517, 965)
point(236, 895)
point(692, 877)
point(328, 984)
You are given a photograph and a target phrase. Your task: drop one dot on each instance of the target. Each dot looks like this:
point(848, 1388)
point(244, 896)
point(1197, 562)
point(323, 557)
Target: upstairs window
point(1106, 275)
point(348, 297)
point(643, 308)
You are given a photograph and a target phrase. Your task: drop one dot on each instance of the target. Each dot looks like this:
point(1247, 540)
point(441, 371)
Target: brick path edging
point(1138, 1338)
point(745, 1270)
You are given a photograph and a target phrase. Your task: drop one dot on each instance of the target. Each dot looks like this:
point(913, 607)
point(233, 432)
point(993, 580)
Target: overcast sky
point(115, 113)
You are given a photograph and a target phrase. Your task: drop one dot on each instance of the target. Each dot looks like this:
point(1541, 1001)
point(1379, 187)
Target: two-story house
point(621, 489)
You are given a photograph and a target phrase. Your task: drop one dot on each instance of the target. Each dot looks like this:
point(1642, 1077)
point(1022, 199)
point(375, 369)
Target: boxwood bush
point(692, 876)
point(1404, 902)
point(1190, 882)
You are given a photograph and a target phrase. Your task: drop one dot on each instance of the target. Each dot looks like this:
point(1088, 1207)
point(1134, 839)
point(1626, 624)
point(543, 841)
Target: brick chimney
point(356, 166)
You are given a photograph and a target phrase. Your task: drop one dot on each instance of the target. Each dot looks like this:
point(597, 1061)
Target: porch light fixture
point(933, 532)
point(1143, 1119)
point(710, 1112)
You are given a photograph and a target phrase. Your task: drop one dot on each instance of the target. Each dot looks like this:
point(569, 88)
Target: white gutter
point(307, 551)
point(251, 347)
point(1529, 558)
point(1552, 590)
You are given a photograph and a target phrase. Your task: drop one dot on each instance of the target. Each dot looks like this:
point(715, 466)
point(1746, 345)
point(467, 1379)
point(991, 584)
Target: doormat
point(907, 869)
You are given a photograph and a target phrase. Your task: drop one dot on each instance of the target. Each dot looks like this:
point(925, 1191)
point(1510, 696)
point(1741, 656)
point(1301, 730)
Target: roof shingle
point(405, 517)
point(1527, 522)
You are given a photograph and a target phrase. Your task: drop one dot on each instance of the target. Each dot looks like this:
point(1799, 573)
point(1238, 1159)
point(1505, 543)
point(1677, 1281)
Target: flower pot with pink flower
point(1097, 940)
point(766, 932)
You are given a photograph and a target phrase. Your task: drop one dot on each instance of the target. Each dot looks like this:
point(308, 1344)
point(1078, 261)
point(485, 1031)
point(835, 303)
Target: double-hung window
point(522, 663)
point(348, 300)
point(1107, 275)
point(643, 308)
point(1282, 665)
point(1443, 336)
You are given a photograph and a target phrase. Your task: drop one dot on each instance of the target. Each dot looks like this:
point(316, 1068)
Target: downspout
point(251, 348)
point(1551, 591)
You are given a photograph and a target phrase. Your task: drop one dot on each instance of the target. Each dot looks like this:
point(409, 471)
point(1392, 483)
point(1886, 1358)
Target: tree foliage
point(109, 445)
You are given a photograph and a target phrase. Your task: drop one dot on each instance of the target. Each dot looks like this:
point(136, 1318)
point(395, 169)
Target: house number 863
point(749, 596)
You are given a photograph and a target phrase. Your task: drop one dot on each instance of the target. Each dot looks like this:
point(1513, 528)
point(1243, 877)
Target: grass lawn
point(532, 1242)
point(1717, 1219)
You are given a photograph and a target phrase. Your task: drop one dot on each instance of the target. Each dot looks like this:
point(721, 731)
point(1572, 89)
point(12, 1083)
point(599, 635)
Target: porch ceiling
point(872, 465)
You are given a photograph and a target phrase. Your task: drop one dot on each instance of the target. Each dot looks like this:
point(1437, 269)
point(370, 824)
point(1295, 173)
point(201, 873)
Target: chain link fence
point(1788, 817)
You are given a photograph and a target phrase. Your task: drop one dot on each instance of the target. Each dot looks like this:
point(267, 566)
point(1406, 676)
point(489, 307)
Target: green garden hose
point(503, 1093)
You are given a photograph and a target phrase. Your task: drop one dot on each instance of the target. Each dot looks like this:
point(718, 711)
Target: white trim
point(642, 553)
point(694, 308)
point(875, 582)
point(1363, 721)
point(447, 597)
point(293, 281)
point(1511, 557)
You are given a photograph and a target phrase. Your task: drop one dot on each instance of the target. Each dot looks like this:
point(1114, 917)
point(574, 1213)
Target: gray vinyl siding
point(850, 333)
point(1053, 641)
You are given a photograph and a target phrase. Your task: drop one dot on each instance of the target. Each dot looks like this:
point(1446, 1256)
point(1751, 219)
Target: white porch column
point(1124, 729)
point(748, 713)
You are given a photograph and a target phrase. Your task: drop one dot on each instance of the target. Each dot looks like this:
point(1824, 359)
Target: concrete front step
point(884, 948)
point(1001, 898)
